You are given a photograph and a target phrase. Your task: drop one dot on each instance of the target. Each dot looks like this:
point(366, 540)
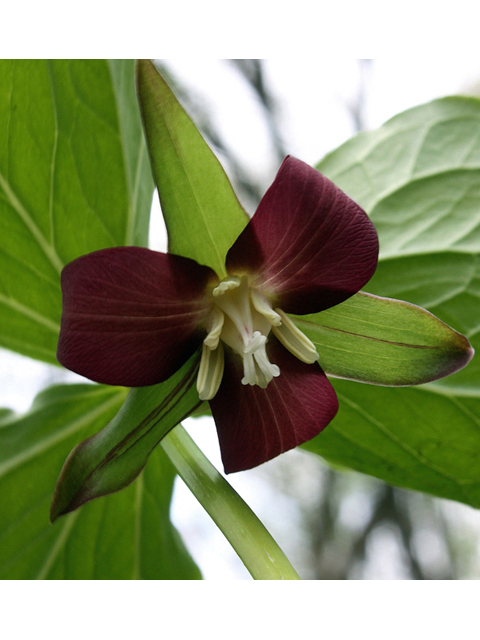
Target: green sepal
point(201, 211)
point(384, 341)
point(113, 458)
point(202, 410)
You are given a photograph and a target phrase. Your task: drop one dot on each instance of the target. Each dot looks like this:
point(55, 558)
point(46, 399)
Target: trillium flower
point(133, 317)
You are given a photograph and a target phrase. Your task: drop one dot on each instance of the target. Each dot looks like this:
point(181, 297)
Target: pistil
point(242, 318)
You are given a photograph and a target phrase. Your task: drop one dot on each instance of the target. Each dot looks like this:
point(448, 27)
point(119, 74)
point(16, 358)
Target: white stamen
point(232, 282)
point(215, 326)
point(268, 369)
point(210, 372)
point(294, 340)
point(263, 306)
point(242, 318)
point(235, 303)
point(257, 367)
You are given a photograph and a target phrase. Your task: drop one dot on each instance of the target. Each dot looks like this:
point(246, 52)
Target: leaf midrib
point(31, 225)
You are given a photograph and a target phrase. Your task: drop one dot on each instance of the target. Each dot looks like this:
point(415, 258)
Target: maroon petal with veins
point(308, 244)
point(131, 316)
point(255, 425)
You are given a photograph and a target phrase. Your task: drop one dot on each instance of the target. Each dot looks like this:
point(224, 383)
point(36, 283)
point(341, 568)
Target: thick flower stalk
point(132, 316)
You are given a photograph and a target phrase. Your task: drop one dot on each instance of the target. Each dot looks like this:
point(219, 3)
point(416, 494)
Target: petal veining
point(308, 244)
point(131, 316)
point(293, 408)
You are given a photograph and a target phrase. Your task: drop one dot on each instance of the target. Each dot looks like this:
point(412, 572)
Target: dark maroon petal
point(131, 316)
point(309, 244)
point(255, 425)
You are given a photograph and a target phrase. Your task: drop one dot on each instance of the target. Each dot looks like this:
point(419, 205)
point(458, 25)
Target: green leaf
point(417, 177)
point(74, 177)
point(201, 211)
point(113, 458)
point(412, 438)
point(431, 139)
point(123, 536)
point(384, 341)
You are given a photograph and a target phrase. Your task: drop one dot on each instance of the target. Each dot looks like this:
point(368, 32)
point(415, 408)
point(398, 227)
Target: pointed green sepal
point(384, 341)
point(201, 211)
point(113, 458)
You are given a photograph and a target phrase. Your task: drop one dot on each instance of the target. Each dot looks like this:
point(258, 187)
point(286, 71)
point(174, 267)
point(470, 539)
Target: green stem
point(254, 545)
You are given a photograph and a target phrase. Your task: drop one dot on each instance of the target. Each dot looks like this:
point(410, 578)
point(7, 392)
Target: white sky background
point(311, 95)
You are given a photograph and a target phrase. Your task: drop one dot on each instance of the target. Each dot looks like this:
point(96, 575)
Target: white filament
point(242, 318)
point(294, 340)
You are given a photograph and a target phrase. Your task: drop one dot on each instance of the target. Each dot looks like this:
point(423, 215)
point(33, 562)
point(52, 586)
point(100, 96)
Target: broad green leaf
point(431, 139)
point(409, 437)
point(426, 208)
point(123, 536)
point(74, 177)
point(417, 177)
point(137, 163)
point(384, 341)
point(113, 458)
point(201, 211)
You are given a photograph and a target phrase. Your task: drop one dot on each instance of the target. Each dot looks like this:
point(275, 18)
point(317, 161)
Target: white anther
point(294, 340)
point(232, 282)
point(210, 372)
point(263, 306)
point(215, 325)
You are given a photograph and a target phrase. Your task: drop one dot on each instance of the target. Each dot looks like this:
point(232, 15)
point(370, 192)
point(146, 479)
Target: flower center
point(242, 318)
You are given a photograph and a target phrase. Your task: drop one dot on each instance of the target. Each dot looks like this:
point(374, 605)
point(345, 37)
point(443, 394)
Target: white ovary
point(242, 318)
